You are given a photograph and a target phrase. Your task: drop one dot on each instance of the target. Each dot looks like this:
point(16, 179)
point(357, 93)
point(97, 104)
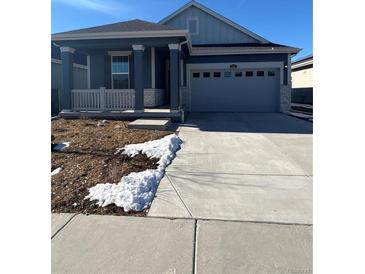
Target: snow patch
point(136, 190)
point(56, 171)
point(60, 147)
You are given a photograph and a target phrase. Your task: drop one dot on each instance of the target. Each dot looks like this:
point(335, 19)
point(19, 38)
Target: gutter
point(242, 51)
point(125, 34)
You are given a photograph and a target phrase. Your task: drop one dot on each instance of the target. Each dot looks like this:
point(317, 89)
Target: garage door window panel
point(238, 74)
point(227, 74)
point(196, 74)
point(249, 73)
point(206, 74)
point(260, 73)
point(216, 74)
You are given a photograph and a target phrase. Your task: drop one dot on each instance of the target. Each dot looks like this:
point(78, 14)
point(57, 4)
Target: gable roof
point(128, 29)
point(132, 25)
point(216, 15)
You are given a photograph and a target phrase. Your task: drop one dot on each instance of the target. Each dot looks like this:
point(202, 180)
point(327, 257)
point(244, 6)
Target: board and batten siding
point(211, 29)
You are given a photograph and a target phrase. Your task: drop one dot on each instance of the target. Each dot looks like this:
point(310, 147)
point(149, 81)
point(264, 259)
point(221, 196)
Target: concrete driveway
point(242, 167)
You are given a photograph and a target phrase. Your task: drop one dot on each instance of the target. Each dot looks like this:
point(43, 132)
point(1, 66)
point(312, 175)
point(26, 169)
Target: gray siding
point(100, 69)
point(79, 77)
point(211, 29)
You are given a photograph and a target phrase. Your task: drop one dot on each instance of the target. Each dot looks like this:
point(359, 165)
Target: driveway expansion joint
point(177, 193)
point(195, 246)
point(63, 226)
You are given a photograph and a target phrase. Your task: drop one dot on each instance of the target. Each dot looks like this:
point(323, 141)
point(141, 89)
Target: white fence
point(102, 99)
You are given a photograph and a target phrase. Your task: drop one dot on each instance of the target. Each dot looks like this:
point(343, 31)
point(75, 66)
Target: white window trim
point(116, 73)
point(188, 20)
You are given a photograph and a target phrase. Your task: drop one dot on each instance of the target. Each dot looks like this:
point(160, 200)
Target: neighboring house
point(302, 80)
point(193, 60)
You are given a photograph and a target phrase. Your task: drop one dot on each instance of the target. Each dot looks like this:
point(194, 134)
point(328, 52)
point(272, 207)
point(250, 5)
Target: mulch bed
point(90, 160)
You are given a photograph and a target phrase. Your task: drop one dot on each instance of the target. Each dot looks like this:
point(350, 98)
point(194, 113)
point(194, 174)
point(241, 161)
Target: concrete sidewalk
point(119, 244)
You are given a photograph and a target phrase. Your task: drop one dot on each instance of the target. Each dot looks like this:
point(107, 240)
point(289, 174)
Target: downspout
point(180, 104)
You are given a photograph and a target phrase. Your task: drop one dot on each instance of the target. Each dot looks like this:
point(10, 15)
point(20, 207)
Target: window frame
point(119, 73)
point(190, 19)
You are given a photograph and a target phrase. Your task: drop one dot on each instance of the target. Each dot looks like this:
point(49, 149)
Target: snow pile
point(136, 190)
point(60, 147)
point(56, 171)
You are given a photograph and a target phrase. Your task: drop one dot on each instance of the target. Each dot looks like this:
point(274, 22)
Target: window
point(271, 73)
point(249, 73)
point(193, 26)
point(120, 72)
point(216, 74)
point(227, 74)
point(260, 73)
point(206, 74)
point(196, 74)
point(238, 74)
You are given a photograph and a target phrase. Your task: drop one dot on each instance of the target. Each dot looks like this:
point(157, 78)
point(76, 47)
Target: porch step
point(157, 124)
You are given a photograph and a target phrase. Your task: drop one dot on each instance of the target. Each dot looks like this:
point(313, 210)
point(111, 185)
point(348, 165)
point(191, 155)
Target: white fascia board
point(124, 34)
point(216, 15)
point(235, 52)
point(303, 64)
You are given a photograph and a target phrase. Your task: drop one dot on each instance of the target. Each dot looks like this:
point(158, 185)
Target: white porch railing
point(102, 99)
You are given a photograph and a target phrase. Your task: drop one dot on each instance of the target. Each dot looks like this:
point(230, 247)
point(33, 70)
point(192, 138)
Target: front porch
point(127, 78)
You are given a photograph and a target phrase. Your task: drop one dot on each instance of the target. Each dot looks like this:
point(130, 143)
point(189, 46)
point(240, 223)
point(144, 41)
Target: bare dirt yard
point(90, 160)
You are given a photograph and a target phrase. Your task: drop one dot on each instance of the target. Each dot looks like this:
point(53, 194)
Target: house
point(194, 60)
point(302, 80)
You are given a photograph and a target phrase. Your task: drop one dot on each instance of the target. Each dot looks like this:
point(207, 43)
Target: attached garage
point(235, 90)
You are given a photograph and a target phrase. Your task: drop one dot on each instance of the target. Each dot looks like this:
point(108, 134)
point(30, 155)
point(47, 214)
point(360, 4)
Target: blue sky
point(288, 22)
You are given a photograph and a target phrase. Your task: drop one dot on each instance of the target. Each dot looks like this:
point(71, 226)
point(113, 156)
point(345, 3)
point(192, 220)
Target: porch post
point(174, 76)
point(138, 77)
point(67, 77)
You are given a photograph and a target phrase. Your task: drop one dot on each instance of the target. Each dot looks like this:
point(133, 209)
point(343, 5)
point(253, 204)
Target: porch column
point(138, 77)
point(67, 77)
point(174, 76)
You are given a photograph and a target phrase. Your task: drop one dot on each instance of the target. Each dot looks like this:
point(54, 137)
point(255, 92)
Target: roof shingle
point(132, 25)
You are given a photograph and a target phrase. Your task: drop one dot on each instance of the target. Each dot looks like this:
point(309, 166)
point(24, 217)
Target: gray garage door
point(248, 90)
